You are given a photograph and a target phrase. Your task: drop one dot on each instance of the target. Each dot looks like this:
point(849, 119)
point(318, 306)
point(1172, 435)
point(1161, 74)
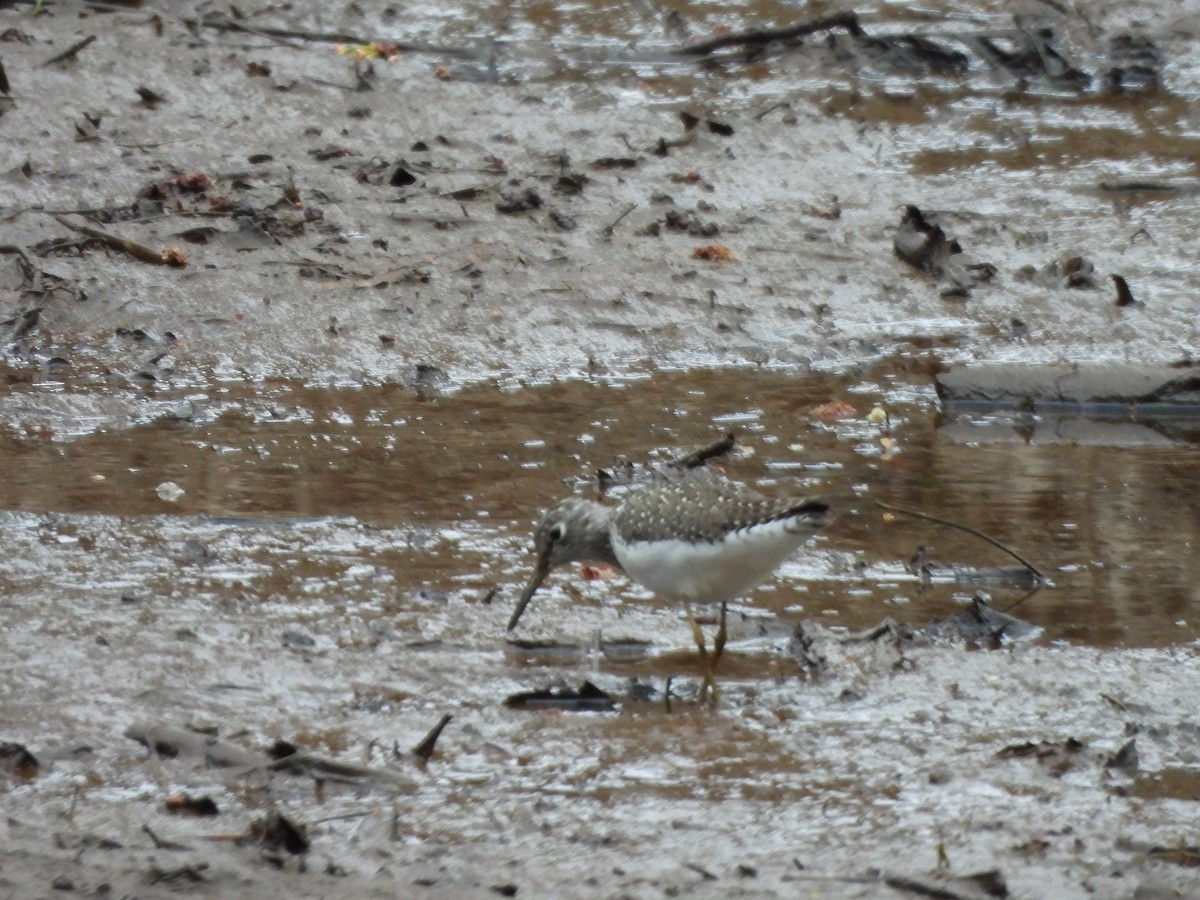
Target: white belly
point(708, 573)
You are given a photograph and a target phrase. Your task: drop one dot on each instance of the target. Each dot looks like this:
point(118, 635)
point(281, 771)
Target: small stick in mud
point(697, 458)
point(168, 257)
point(221, 23)
point(969, 530)
point(760, 37)
point(70, 52)
point(608, 229)
point(27, 268)
point(424, 749)
point(1124, 294)
point(160, 844)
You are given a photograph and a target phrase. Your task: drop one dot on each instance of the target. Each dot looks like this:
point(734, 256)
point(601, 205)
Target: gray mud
point(285, 491)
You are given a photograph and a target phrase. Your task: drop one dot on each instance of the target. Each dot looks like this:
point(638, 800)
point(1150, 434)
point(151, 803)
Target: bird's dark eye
point(557, 532)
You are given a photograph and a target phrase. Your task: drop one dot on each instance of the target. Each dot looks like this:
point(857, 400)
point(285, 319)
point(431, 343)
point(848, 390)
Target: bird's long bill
point(535, 581)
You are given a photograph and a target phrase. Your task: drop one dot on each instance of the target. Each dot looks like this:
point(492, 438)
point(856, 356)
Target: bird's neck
point(597, 545)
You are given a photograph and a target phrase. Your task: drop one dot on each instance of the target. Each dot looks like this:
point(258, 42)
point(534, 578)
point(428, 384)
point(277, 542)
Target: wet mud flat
point(524, 195)
point(229, 622)
point(297, 343)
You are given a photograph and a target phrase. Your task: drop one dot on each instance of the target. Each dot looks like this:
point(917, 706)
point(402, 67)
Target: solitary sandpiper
point(696, 539)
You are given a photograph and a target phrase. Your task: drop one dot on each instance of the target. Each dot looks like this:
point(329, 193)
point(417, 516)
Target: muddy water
point(434, 497)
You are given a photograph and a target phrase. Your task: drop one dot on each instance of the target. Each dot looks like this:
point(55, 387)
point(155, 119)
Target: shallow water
point(1110, 520)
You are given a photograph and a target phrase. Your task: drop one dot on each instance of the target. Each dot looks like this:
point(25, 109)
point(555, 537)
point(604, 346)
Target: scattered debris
point(278, 832)
point(71, 52)
point(1069, 271)
point(978, 886)
point(588, 698)
point(923, 244)
point(1124, 294)
point(424, 749)
point(172, 256)
point(982, 626)
point(16, 760)
point(186, 804)
point(511, 204)
point(714, 253)
point(1125, 759)
point(169, 491)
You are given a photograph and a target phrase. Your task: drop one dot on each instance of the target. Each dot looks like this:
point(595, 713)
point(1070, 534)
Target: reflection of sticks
point(969, 530)
point(1008, 610)
point(697, 458)
point(763, 36)
point(134, 249)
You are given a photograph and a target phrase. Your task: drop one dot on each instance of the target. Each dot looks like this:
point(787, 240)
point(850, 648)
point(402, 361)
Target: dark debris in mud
point(16, 761)
point(924, 245)
point(586, 698)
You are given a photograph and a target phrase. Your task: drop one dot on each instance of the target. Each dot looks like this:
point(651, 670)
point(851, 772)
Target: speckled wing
point(705, 511)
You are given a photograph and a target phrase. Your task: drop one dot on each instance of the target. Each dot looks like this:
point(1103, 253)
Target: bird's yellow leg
point(719, 641)
point(709, 681)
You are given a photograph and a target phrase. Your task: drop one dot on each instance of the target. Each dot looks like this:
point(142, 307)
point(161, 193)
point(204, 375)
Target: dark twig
point(782, 104)
point(969, 530)
point(424, 749)
point(697, 458)
point(160, 844)
point(1124, 294)
point(134, 249)
point(70, 52)
point(27, 267)
point(320, 769)
point(608, 229)
point(222, 24)
point(760, 37)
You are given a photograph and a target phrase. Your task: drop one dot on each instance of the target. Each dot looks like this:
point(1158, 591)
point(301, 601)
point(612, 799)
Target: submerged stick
point(969, 530)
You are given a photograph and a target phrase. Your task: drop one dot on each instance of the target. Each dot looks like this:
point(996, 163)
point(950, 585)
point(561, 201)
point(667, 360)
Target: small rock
point(169, 491)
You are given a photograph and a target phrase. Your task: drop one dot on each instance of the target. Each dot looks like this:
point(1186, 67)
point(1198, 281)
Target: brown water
point(441, 493)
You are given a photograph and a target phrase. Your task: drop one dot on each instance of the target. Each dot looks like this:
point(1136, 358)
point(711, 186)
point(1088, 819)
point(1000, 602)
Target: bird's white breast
point(708, 572)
